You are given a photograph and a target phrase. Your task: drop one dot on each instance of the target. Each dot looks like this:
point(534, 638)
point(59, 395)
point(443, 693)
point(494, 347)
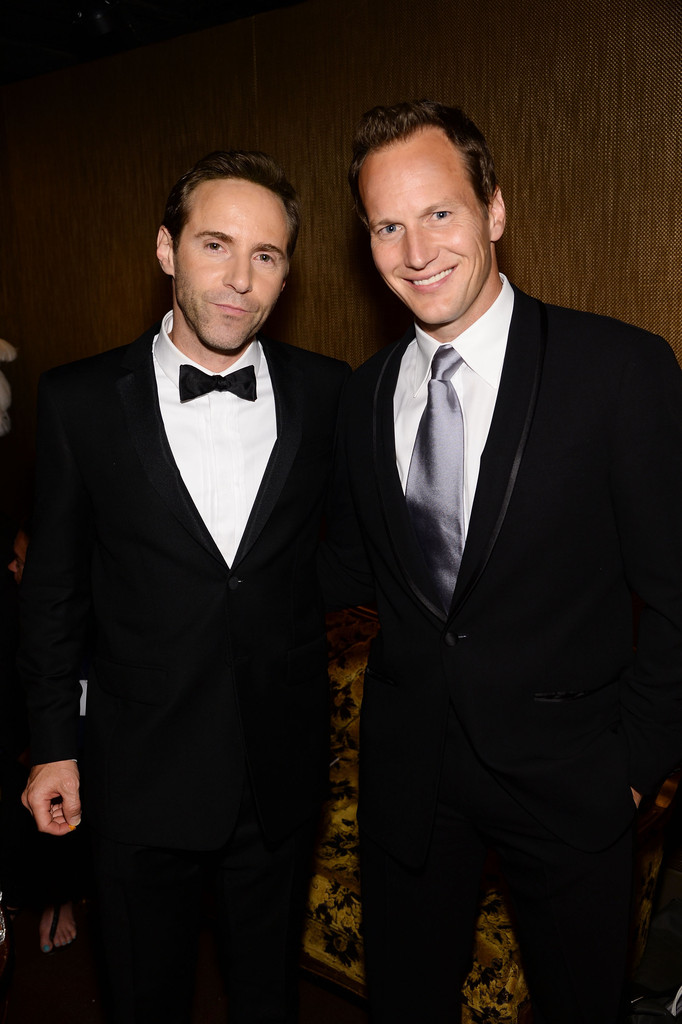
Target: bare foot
point(65, 930)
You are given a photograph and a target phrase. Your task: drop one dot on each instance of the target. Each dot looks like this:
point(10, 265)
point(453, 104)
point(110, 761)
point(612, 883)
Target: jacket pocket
point(141, 684)
point(371, 674)
point(563, 696)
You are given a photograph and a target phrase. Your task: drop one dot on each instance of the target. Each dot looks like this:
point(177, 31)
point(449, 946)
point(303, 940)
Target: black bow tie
point(194, 382)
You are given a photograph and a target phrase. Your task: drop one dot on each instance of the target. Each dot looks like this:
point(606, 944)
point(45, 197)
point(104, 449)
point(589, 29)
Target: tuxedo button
point(233, 583)
point(452, 639)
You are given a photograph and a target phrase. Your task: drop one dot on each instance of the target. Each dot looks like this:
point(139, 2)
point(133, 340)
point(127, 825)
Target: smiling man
point(179, 489)
point(509, 472)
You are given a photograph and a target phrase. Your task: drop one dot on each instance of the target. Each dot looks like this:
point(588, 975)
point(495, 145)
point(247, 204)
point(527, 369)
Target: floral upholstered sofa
point(495, 989)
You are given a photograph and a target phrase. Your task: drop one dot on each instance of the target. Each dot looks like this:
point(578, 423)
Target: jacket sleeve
point(55, 592)
point(646, 483)
point(343, 566)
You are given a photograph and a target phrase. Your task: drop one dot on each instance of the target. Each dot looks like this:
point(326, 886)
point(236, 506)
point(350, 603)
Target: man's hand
point(637, 797)
point(52, 796)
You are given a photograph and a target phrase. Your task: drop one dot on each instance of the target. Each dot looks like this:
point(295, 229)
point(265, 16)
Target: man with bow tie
point(179, 487)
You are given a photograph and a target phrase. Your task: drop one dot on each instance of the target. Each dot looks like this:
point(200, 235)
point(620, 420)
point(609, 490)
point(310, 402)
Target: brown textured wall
point(581, 101)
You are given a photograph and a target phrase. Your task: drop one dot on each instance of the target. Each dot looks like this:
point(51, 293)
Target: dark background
point(581, 101)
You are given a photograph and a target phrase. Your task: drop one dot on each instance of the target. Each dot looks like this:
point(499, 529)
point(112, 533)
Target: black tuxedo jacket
point(200, 671)
point(578, 502)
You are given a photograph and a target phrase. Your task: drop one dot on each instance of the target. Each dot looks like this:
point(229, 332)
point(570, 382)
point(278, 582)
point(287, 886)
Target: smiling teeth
point(432, 280)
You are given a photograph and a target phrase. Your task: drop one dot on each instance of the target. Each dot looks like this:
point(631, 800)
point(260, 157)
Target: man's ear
point(497, 216)
point(164, 251)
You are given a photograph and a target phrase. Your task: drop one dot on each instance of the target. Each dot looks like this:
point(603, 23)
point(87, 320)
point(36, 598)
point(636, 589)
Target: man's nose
point(238, 273)
point(419, 248)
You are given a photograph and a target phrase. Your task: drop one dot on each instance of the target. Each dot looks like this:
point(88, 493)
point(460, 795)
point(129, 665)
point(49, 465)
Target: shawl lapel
point(500, 460)
point(503, 451)
point(403, 540)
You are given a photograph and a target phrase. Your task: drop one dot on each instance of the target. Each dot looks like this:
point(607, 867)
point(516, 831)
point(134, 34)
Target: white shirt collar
point(170, 358)
point(481, 346)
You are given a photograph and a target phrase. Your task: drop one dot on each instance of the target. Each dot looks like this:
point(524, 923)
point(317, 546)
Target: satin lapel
point(289, 386)
point(399, 529)
point(506, 442)
point(139, 397)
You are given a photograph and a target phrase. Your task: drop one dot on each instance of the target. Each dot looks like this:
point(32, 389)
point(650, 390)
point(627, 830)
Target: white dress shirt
point(476, 381)
point(221, 443)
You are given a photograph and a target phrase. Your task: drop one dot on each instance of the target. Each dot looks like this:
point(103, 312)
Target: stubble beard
point(198, 320)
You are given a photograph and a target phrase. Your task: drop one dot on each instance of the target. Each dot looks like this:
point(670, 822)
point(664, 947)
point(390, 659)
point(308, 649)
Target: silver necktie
point(435, 481)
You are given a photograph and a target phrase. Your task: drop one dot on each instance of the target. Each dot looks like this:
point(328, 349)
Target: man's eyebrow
point(215, 234)
point(269, 247)
point(443, 204)
point(382, 222)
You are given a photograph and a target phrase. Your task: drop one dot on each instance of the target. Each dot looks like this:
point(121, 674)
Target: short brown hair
point(254, 166)
point(382, 126)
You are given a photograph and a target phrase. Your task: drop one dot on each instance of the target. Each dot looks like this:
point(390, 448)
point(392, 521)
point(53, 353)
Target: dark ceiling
point(39, 36)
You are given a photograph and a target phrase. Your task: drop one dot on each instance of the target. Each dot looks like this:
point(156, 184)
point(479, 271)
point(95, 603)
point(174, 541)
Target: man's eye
point(442, 214)
point(389, 229)
point(265, 257)
point(213, 246)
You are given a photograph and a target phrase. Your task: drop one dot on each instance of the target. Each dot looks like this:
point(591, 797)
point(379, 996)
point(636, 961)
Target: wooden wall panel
point(582, 106)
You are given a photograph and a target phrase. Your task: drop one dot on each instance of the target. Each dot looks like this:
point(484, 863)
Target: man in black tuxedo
point(503, 705)
point(179, 489)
